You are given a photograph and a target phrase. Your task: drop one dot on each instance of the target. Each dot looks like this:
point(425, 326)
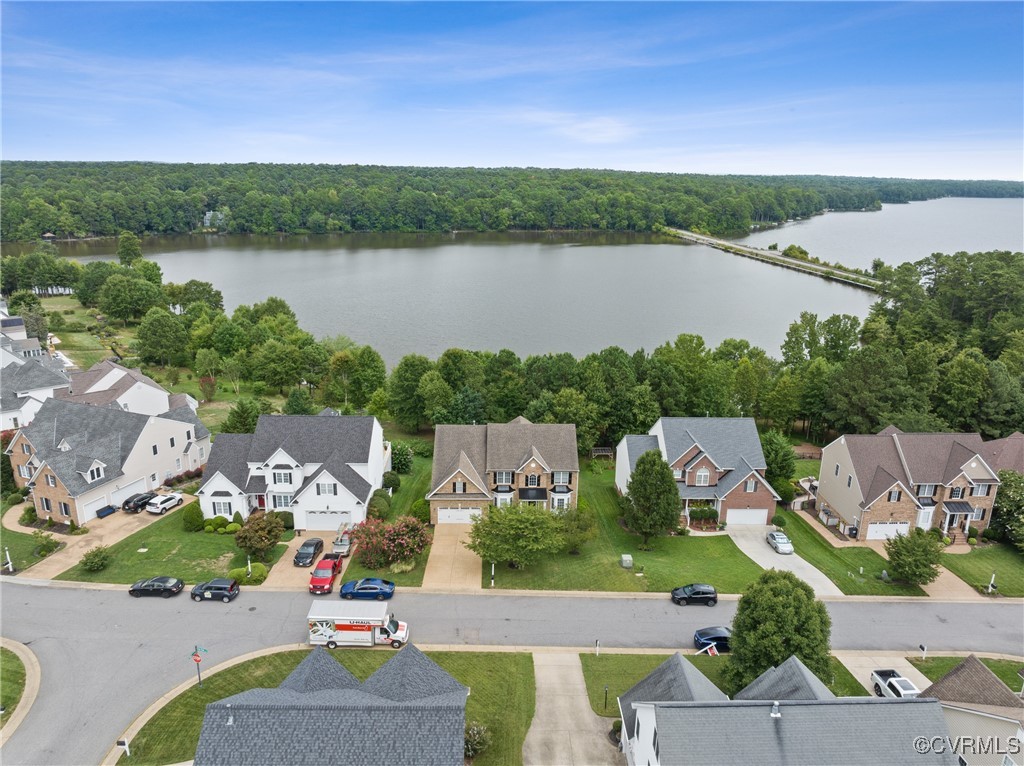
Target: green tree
point(125, 297)
point(579, 525)
point(260, 533)
point(278, 364)
point(962, 386)
point(404, 401)
point(518, 534)
point(23, 300)
point(467, 407)
point(161, 336)
point(780, 460)
point(242, 417)
point(1008, 509)
point(233, 369)
point(437, 396)
point(378, 404)
point(653, 505)
point(149, 271)
point(369, 375)
point(129, 248)
point(299, 402)
point(94, 275)
point(207, 362)
point(914, 558)
point(777, 618)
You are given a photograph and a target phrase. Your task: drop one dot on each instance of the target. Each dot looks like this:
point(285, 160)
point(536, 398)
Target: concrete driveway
point(750, 538)
point(286, 576)
point(452, 568)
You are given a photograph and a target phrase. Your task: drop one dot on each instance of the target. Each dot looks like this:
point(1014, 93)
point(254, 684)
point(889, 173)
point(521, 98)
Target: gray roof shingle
point(791, 680)
point(19, 378)
point(973, 682)
point(674, 680)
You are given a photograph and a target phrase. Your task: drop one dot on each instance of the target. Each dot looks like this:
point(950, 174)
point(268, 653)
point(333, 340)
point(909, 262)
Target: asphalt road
point(105, 657)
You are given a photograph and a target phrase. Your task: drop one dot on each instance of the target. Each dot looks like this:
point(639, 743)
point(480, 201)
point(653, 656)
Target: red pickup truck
point(322, 579)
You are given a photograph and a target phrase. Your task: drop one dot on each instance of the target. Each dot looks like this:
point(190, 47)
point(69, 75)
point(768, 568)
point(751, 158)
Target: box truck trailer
point(354, 623)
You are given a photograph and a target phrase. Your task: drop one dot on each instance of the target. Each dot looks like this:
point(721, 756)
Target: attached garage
point(883, 530)
point(741, 516)
point(89, 509)
point(456, 515)
point(118, 496)
point(323, 521)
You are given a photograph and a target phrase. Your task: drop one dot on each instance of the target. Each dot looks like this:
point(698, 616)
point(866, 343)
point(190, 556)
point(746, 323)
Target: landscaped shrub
point(380, 544)
point(45, 544)
point(972, 533)
point(378, 508)
point(421, 510)
point(14, 498)
point(401, 457)
point(209, 529)
point(400, 567)
point(991, 533)
point(423, 448)
point(231, 528)
point(287, 518)
point(25, 491)
point(222, 530)
point(779, 520)
point(192, 518)
point(786, 492)
point(382, 494)
point(237, 519)
point(259, 574)
point(96, 559)
point(947, 541)
point(392, 481)
point(972, 540)
point(477, 739)
point(219, 522)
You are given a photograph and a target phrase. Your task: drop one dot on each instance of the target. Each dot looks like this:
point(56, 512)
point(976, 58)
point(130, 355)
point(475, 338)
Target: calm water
point(536, 293)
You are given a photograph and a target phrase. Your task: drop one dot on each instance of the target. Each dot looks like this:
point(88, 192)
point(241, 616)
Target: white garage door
point(118, 496)
point(89, 509)
point(456, 515)
point(326, 520)
point(747, 516)
point(883, 530)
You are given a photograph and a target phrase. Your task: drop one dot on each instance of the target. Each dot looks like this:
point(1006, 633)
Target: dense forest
point(81, 199)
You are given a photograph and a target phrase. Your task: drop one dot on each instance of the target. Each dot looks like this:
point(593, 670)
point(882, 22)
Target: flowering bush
point(380, 544)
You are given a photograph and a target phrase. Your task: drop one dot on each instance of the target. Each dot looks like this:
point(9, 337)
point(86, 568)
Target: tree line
point(81, 199)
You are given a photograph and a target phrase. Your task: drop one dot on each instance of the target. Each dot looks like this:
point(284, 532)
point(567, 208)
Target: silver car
point(780, 542)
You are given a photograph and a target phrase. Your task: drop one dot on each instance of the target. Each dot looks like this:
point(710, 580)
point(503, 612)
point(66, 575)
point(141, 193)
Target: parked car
point(162, 503)
point(308, 551)
point(890, 683)
point(219, 589)
point(342, 544)
point(780, 542)
point(718, 635)
point(164, 587)
point(368, 587)
point(696, 593)
point(322, 579)
point(136, 503)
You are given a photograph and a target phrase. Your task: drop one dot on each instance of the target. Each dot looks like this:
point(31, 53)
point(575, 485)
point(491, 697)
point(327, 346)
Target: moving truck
point(354, 623)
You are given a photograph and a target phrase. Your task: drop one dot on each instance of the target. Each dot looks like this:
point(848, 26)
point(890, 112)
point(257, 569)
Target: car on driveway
point(136, 503)
point(322, 579)
point(308, 551)
point(164, 587)
point(717, 635)
point(215, 590)
point(342, 544)
point(780, 542)
point(368, 587)
point(695, 593)
point(162, 503)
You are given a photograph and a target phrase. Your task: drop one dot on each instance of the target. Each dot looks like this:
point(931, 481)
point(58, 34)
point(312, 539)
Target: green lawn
point(842, 565)
point(12, 683)
point(674, 561)
point(501, 684)
point(976, 568)
point(192, 556)
point(936, 667)
point(620, 672)
point(805, 468)
point(414, 579)
point(415, 486)
point(22, 547)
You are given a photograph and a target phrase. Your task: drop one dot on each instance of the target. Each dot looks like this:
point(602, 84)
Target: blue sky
point(922, 90)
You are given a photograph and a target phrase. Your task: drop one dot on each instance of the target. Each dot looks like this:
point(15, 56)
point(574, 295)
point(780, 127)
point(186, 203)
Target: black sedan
point(368, 587)
point(136, 503)
point(718, 636)
point(308, 551)
point(696, 593)
point(165, 587)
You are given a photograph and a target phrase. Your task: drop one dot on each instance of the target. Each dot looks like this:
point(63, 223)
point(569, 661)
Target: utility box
point(627, 561)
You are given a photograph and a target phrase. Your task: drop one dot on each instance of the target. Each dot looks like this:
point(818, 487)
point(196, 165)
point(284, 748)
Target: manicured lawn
point(674, 561)
point(22, 547)
point(842, 565)
point(414, 579)
point(805, 468)
point(935, 668)
point(12, 683)
point(620, 672)
point(192, 556)
point(976, 568)
point(415, 486)
point(501, 684)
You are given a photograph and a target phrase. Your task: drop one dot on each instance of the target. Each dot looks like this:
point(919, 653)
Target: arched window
point(703, 477)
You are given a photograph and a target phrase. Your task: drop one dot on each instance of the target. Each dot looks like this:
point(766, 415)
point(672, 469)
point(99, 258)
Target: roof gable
point(674, 680)
point(792, 680)
point(725, 441)
point(973, 682)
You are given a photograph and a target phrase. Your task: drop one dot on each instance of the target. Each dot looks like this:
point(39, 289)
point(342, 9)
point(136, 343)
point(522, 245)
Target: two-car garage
point(745, 516)
point(883, 530)
point(456, 515)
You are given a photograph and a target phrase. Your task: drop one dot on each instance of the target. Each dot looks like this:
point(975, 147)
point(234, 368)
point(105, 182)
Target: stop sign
point(196, 658)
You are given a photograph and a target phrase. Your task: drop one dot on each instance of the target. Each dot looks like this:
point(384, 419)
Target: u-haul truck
point(354, 623)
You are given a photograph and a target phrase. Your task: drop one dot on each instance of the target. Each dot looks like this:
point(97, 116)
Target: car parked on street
point(165, 587)
point(368, 587)
point(717, 635)
point(308, 551)
point(322, 579)
point(136, 503)
point(219, 589)
point(160, 504)
point(780, 542)
point(695, 593)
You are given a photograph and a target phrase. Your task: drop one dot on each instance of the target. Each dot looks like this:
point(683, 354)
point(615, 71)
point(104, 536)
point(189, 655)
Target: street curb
point(33, 678)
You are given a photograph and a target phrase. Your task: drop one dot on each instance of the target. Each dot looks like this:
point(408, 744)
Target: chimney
point(775, 710)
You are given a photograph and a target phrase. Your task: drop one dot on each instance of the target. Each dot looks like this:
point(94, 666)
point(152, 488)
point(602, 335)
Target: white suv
point(161, 503)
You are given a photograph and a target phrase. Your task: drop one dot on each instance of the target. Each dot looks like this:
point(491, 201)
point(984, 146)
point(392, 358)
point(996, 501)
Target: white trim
point(437, 489)
point(906, 492)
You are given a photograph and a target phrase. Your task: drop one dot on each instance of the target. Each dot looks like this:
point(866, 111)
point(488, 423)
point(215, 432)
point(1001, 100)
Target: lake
point(537, 293)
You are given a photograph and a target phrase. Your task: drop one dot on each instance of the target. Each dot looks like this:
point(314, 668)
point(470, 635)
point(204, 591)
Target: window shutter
point(318, 489)
point(334, 487)
point(570, 478)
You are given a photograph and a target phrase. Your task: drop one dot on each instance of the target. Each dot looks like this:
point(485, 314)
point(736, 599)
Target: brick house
point(500, 464)
point(79, 458)
point(715, 461)
point(888, 483)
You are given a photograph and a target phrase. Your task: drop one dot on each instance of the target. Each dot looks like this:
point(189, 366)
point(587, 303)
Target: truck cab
point(889, 683)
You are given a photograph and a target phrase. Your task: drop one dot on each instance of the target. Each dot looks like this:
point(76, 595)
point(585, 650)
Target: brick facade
point(761, 497)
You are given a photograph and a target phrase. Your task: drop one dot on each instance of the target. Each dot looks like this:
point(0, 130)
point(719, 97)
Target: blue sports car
point(368, 587)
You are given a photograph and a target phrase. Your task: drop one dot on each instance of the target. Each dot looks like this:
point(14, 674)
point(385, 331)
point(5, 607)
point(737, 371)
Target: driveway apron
point(750, 538)
point(452, 567)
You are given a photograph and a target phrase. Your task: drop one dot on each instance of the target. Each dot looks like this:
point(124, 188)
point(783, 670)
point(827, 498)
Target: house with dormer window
point(79, 459)
point(502, 464)
point(716, 462)
point(323, 468)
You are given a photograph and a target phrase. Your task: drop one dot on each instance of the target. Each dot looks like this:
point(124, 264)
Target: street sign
point(196, 658)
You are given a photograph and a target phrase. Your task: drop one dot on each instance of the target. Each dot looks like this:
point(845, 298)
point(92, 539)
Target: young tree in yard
point(208, 387)
point(207, 362)
point(260, 533)
point(161, 336)
point(777, 617)
point(578, 526)
point(242, 417)
point(369, 375)
point(233, 369)
point(780, 461)
point(1008, 511)
point(914, 558)
point(129, 248)
point(299, 403)
point(518, 534)
point(653, 498)
point(401, 457)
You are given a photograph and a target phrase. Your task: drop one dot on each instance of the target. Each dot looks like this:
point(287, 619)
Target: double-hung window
point(503, 477)
point(51, 480)
point(925, 490)
point(282, 477)
point(222, 508)
point(459, 487)
point(24, 472)
point(533, 480)
point(703, 477)
point(281, 501)
point(327, 489)
point(65, 509)
point(979, 490)
point(750, 486)
point(47, 505)
point(560, 477)
point(956, 493)
point(895, 495)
